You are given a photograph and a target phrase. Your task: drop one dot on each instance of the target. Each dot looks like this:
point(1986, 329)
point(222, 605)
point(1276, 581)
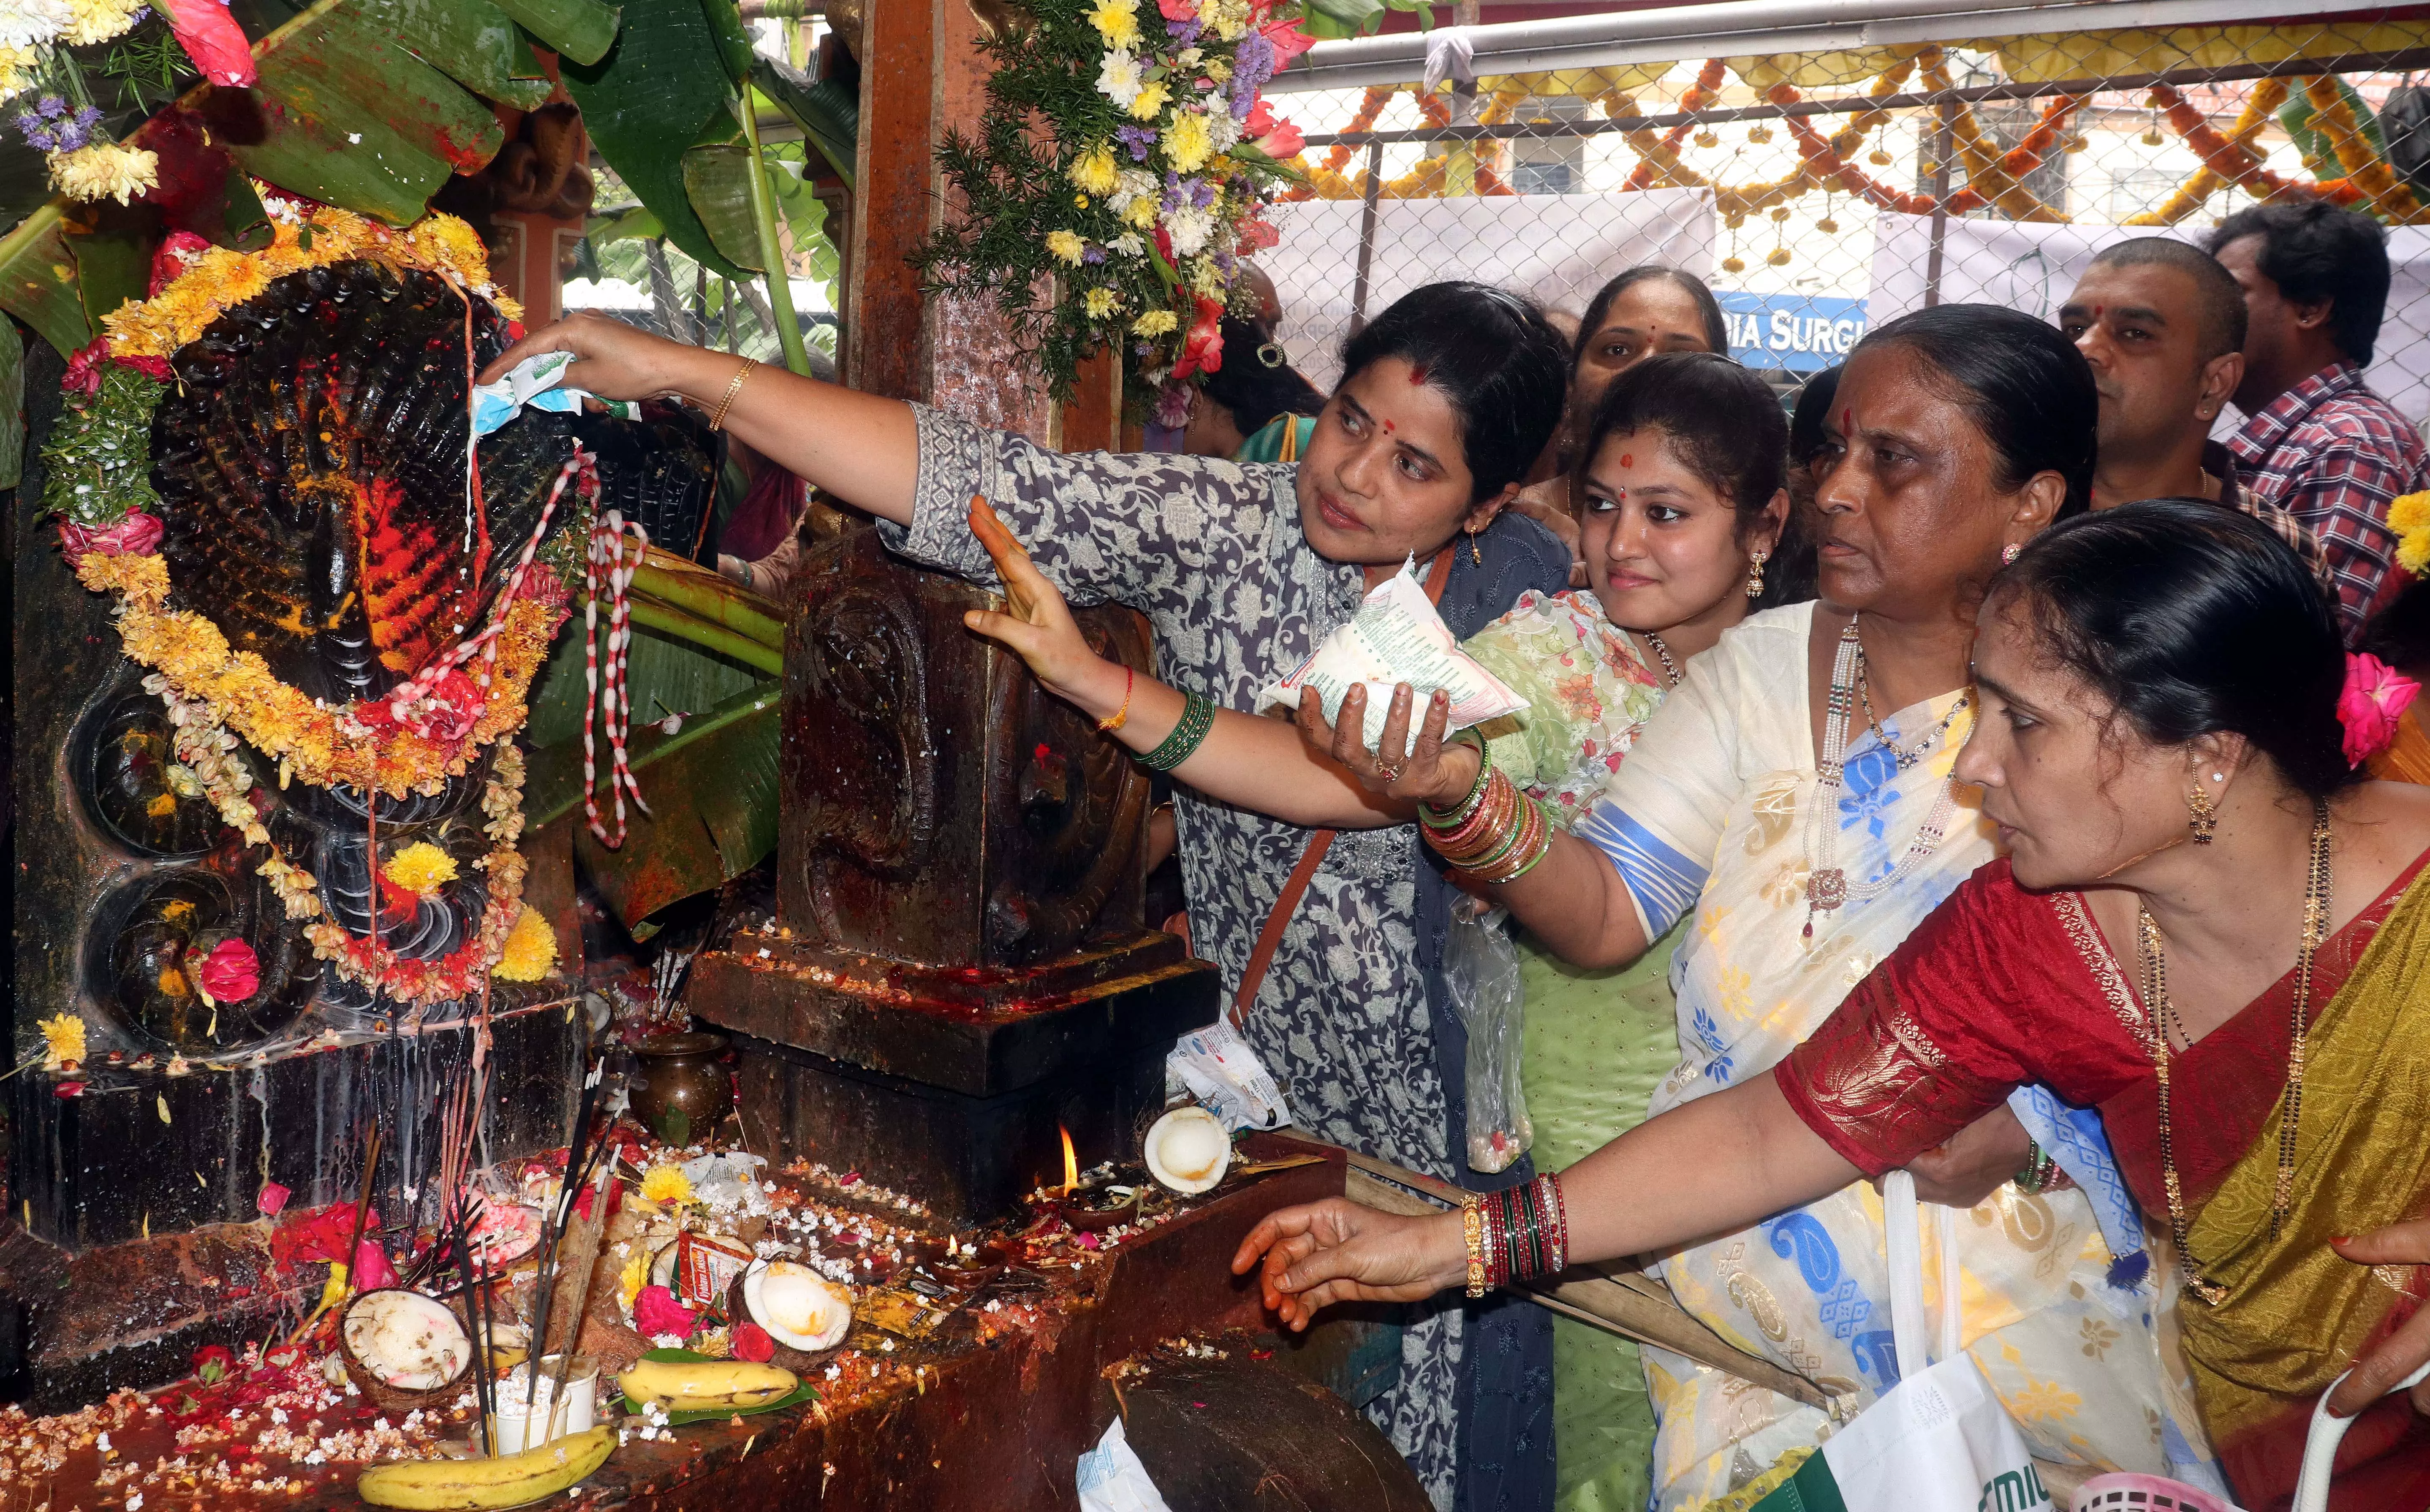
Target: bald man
point(2162, 323)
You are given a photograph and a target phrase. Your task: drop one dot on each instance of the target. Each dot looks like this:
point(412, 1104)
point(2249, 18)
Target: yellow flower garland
point(301, 237)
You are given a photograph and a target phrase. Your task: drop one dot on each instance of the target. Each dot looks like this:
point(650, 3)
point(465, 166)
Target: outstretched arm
point(1712, 1167)
point(1258, 764)
point(1572, 900)
point(858, 446)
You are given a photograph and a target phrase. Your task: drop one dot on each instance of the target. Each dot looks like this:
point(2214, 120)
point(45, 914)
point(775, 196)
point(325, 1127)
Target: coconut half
point(1188, 1151)
point(800, 1308)
point(401, 1344)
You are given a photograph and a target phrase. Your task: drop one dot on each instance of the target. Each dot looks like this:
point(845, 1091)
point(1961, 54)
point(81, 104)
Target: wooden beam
point(894, 199)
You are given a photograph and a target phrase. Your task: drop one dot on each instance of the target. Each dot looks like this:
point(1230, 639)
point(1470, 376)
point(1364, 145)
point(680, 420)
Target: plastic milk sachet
point(1396, 637)
point(534, 383)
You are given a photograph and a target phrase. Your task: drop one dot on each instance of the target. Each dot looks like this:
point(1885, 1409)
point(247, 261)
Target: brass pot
point(684, 1086)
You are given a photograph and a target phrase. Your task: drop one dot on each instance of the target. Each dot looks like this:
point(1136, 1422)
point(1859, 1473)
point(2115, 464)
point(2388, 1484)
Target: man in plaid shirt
point(2316, 440)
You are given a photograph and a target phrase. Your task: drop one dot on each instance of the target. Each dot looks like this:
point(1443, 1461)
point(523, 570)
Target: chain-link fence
point(1819, 192)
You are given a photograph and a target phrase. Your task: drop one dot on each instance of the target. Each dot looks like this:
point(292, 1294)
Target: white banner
point(2034, 266)
point(1557, 249)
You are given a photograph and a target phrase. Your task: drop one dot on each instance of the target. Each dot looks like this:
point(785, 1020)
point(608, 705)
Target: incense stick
point(578, 1152)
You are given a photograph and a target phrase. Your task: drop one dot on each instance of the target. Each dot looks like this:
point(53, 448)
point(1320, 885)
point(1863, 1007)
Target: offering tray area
point(985, 1398)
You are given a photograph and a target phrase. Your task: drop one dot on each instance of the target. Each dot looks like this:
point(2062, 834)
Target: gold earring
point(2202, 814)
point(1473, 555)
point(1755, 573)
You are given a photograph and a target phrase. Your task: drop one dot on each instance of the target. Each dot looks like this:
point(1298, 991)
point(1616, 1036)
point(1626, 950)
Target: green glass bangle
point(1197, 718)
point(2033, 1178)
point(1445, 819)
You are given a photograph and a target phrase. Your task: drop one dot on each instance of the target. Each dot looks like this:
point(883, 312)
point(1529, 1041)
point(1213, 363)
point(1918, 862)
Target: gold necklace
point(1907, 758)
point(2317, 887)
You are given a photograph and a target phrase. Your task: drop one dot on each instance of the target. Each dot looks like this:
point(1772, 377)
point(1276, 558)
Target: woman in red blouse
point(2195, 867)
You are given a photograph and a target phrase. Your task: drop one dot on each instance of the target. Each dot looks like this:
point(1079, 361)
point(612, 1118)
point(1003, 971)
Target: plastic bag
point(1111, 1479)
point(1481, 973)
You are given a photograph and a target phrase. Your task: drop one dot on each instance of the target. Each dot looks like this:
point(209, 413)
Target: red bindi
point(1418, 374)
point(1628, 460)
point(1388, 427)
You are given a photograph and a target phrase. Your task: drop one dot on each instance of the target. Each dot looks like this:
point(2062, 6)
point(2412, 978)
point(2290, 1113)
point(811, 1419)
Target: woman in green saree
point(2171, 745)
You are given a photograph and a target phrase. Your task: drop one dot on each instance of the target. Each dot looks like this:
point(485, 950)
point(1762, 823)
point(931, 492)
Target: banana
point(485, 1485)
point(697, 1385)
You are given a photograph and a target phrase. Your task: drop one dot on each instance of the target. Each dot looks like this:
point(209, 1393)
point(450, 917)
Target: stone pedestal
point(958, 963)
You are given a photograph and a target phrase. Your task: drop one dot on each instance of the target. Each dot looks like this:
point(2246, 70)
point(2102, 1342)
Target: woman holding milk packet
point(1446, 398)
point(1685, 530)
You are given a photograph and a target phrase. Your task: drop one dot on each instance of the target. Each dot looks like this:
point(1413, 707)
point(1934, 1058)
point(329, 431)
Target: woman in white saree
point(1794, 795)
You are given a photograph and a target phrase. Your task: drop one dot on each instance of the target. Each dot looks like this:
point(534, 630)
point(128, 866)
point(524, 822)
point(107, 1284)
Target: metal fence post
point(1367, 236)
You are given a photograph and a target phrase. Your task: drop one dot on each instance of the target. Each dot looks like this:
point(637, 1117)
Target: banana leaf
point(113, 248)
point(350, 117)
point(712, 791)
point(829, 114)
point(655, 93)
point(580, 30)
point(37, 279)
point(472, 42)
point(717, 182)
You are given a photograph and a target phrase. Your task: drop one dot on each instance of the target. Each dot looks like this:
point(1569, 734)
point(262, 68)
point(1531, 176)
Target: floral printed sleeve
point(1156, 531)
point(1587, 694)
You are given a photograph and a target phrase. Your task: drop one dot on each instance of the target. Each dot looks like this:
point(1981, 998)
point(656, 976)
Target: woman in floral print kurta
point(1448, 397)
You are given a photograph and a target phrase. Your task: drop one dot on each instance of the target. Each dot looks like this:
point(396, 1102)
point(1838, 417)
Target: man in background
point(2163, 325)
point(2316, 440)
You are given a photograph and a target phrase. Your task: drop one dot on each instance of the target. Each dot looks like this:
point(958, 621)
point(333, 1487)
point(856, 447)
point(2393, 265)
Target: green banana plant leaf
point(637, 223)
point(829, 114)
point(712, 787)
point(472, 42)
point(354, 119)
point(655, 93)
point(113, 257)
point(717, 182)
point(579, 29)
point(37, 279)
point(803, 212)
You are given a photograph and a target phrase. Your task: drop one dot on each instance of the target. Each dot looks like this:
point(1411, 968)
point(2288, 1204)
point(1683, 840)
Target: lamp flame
point(1071, 1163)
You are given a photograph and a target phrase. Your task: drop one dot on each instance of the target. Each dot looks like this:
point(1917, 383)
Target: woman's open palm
point(1434, 772)
point(1339, 1251)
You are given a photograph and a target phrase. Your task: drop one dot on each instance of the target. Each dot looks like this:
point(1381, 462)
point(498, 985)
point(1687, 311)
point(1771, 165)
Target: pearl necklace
point(1828, 887)
point(1670, 668)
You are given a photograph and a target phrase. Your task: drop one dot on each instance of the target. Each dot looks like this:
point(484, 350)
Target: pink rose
point(752, 1344)
point(1177, 10)
point(371, 1268)
point(231, 972)
point(1257, 236)
point(1284, 141)
point(212, 39)
point(271, 1199)
point(2374, 698)
point(176, 256)
point(656, 1311)
point(138, 535)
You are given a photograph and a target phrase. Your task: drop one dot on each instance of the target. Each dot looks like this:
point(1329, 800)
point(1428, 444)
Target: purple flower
point(1139, 139)
point(140, 12)
point(1093, 255)
point(42, 140)
point(51, 107)
point(1184, 33)
point(72, 136)
point(28, 122)
point(1203, 193)
point(1253, 60)
point(87, 116)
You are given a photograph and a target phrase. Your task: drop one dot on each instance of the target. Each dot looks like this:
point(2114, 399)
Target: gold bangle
point(717, 422)
point(1122, 715)
point(1472, 1221)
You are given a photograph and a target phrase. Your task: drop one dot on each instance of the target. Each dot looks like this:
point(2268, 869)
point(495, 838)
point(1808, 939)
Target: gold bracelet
point(1472, 1220)
point(717, 422)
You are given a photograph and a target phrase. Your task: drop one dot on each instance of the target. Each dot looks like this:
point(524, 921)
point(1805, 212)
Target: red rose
point(212, 1364)
point(136, 535)
point(84, 368)
point(212, 39)
point(752, 1343)
point(176, 256)
point(153, 368)
point(272, 1200)
point(231, 972)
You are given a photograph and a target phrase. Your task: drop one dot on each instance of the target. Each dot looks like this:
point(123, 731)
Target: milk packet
point(1396, 637)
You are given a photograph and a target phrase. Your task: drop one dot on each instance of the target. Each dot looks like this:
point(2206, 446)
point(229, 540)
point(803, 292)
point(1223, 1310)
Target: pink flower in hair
point(2375, 697)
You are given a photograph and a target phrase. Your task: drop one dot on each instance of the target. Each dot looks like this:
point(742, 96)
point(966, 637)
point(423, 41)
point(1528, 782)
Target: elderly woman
point(1446, 397)
point(1794, 797)
point(2208, 926)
